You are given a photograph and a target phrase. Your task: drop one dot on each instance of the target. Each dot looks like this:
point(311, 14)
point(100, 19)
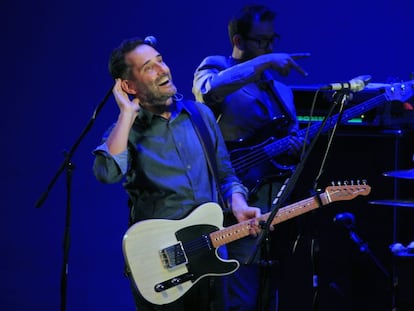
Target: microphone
point(355, 85)
point(150, 40)
point(348, 221)
point(345, 219)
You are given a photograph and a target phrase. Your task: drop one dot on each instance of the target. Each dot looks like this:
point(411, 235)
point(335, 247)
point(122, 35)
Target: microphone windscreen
point(150, 40)
point(345, 219)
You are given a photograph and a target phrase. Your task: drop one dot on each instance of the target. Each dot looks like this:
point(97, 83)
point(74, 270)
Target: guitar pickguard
point(201, 254)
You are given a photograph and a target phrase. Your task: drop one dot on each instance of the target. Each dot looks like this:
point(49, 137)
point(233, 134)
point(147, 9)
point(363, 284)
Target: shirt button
point(188, 167)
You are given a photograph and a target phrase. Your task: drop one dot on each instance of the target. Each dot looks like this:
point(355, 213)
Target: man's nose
point(162, 68)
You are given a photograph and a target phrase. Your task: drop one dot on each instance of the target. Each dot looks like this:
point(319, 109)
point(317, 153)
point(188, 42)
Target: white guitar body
point(160, 276)
point(167, 257)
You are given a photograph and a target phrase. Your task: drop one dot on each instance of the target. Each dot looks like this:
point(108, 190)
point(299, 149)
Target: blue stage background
point(54, 62)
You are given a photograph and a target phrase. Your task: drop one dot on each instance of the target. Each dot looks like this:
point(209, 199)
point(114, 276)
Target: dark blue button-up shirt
point(165, 169)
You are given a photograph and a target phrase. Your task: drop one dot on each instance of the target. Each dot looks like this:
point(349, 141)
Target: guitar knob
point(176, 281)
point(159, 287)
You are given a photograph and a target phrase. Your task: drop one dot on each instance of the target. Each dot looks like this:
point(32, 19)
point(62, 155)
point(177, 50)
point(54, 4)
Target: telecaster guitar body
point(167, 257)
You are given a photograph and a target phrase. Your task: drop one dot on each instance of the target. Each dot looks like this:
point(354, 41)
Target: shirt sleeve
point(109, 168)
point(214, 79)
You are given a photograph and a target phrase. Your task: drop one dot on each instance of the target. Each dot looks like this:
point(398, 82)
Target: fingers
point(299, 69)
point(295, 145)
point(117, 90)
point(254, 220)
point(296, 66)
point(257, 226)
point(283, 63)
point(136, 102)
point(254, 227)
point(122, 98)
point(299, 55)
point(118, 86)
point(296, 141)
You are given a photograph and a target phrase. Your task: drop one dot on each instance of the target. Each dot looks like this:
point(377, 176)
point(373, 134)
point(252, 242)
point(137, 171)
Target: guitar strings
point(251, 159)
point(283, 214)
point(197, 244)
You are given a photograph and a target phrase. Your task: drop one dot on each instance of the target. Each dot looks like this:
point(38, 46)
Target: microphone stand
point(342, 98)
point(68, 165)
point(364, 248)
point(289, 185)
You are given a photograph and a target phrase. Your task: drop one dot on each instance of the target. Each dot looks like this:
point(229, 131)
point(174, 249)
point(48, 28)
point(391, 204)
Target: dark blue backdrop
point(54, 59)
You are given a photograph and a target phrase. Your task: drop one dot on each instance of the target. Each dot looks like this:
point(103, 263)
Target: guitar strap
point(207, 144)
point(267, 85)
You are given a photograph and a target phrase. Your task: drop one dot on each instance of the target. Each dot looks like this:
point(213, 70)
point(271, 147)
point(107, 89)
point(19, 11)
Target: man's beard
point(156, 99)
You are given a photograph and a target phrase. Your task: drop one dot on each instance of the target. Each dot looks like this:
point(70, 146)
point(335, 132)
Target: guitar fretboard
point(331, 194)
point(242, 229)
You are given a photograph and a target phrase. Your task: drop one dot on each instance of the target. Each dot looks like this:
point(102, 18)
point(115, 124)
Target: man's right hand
point(122, 98)
point(284, 62)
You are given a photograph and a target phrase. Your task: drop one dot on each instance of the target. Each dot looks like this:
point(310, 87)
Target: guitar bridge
point(173, 256)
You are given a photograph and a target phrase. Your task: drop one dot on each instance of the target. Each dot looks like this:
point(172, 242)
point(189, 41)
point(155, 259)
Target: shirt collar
point(147, 116)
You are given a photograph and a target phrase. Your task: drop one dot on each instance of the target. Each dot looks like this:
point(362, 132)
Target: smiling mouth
point(164, 81)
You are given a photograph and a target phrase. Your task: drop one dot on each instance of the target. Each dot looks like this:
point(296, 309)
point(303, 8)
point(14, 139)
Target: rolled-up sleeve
point(109, 168)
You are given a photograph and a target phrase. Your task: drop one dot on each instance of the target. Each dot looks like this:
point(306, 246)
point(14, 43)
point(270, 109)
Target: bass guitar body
point(254, 163)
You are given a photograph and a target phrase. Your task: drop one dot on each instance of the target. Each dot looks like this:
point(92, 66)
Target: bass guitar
point(167, 257)
point(254, 162)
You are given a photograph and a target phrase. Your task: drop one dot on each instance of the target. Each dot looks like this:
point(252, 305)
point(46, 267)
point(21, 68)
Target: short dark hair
point(117, 66)
point(242, 22)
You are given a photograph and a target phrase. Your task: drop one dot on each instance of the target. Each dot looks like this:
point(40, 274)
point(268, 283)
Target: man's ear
point(238, 42)
point(128, 87)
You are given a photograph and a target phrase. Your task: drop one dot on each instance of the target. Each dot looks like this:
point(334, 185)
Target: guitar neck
point(347, 114)
point(281, 146)
point(241, 230)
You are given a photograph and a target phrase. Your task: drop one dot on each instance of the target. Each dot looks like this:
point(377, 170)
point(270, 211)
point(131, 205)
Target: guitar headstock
point(400, 91)
point(347, 191)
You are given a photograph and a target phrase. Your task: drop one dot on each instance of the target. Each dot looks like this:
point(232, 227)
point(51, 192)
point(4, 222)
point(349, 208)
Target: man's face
point(151, 77)
point(260, 39)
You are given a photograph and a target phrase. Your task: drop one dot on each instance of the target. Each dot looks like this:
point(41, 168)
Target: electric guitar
point(253, 163)
point(167, 257)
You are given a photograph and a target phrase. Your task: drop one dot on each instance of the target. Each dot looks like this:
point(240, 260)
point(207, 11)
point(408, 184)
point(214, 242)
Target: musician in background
point(155, 149)
point(243, 92)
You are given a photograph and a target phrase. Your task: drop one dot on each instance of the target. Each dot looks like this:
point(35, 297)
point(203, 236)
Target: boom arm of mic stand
point(69, 154)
